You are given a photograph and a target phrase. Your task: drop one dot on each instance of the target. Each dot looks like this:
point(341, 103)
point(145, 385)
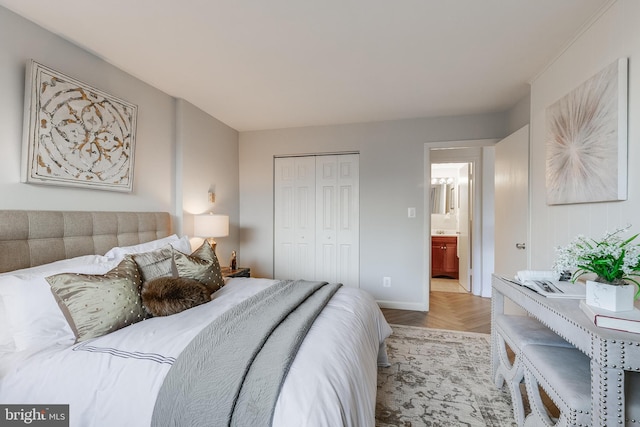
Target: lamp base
point(211, 242)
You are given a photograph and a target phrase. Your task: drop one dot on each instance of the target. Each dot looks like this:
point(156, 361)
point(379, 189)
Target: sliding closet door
point(317, 220)
point(294, 218)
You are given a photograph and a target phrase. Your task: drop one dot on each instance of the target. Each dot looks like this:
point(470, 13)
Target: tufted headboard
point(30, 238)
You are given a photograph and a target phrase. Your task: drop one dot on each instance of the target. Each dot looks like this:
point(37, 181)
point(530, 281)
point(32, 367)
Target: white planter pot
point(610, 297)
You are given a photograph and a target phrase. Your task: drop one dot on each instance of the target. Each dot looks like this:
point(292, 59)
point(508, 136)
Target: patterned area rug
point(439, 378)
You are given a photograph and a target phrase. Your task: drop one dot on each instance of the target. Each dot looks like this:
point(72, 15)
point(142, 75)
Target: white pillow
point(33, 317)
point(6, 340)
point(7, 343)
point(181, 244)
point(58, 266)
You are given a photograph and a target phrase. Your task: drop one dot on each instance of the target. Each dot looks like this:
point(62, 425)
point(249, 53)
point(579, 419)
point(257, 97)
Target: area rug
point(439, 378)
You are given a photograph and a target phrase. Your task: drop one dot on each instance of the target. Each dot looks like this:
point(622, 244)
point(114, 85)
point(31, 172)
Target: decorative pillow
point(33, 318)
point(158, 263)
point(182, 244)
point(95, 305)
point(202, 265)
point(165, 296)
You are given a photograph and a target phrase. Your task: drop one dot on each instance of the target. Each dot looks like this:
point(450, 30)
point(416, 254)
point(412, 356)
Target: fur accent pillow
point(165, 296)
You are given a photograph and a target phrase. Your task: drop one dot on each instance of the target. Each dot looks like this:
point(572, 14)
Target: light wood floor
point(447, 310)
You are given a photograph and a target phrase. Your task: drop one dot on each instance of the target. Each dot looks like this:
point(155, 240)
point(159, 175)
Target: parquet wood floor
point(447, 310)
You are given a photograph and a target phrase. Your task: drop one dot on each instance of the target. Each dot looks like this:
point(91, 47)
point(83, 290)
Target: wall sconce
point(210, 226)
point(212, 193)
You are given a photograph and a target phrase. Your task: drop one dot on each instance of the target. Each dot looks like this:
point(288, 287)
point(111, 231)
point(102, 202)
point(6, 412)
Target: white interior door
point(294, 218)
point(464, 241)
point(327, 218)
point(337, 219)
point(512, 203)
point(333, 218)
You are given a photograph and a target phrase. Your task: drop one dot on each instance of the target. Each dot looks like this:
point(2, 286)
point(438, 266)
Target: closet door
point(316, 218)
point(294, 218)
point(337, 215)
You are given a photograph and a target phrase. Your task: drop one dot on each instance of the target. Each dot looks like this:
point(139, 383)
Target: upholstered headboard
point(30, 238)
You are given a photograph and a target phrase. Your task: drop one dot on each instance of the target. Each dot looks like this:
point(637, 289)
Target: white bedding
point(114, 379)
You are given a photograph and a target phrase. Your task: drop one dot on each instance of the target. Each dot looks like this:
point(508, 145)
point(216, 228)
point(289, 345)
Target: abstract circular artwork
point(78, 135)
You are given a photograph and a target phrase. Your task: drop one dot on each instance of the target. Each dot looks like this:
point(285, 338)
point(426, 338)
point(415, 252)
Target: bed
point(177, 369)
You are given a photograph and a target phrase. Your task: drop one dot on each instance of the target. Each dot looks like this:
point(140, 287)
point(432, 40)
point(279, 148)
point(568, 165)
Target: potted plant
point(615, 261)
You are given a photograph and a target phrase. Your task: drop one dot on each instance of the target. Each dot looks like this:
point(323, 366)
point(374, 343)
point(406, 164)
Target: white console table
point(611, 352)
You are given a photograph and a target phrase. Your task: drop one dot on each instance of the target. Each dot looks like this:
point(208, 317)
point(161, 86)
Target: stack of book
point(626, 321)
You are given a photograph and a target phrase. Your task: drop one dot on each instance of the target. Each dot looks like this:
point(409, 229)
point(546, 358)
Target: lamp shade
point(211, 225)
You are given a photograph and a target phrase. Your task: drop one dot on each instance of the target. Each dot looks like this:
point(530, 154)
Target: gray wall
point(391, 180)
point(615, 34)
point(207, 158)
point(519, 115)
point(154, 174)
point(180, 150)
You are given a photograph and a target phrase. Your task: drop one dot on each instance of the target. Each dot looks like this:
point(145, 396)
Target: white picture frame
point(74, 134)
point(586, 140)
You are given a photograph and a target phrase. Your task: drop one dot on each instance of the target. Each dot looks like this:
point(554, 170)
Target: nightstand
point(238, 272)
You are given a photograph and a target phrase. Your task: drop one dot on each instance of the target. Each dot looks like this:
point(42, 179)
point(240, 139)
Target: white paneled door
point(465, 216)
point(316, 225)
point(512, 203)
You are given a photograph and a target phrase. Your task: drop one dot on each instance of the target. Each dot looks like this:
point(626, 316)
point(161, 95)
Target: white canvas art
point(76, 135)
point(587, 140)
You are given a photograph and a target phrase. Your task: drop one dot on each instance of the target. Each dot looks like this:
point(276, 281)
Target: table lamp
point(210, 226)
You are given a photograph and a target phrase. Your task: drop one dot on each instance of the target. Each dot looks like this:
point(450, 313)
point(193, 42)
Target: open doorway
point(451, 233)
point(480, 153)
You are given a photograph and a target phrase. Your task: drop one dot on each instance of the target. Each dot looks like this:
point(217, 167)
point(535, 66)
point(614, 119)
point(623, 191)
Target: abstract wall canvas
point(75, 134)
point(586, 141)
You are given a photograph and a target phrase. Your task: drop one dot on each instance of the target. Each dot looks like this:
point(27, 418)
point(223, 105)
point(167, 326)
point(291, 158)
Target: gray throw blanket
point(231, 373)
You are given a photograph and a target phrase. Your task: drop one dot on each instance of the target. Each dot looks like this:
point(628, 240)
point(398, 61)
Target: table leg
point(607, 395)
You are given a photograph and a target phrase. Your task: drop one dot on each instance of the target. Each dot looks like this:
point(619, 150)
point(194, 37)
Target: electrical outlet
point(386, 282)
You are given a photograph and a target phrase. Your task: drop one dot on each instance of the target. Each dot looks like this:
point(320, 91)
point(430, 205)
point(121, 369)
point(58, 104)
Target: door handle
point(521, 246)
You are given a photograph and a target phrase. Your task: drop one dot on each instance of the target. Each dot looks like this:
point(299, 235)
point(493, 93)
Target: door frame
point(482, 214)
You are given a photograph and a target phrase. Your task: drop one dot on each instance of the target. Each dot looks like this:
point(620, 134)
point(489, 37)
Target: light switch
point(411, 212)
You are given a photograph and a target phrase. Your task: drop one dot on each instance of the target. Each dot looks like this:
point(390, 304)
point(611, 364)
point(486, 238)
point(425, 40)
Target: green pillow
point(155, 264)
point(202, 265)
point(96, 305)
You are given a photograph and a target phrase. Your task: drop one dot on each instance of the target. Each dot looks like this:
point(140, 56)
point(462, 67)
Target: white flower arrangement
point(614, 260)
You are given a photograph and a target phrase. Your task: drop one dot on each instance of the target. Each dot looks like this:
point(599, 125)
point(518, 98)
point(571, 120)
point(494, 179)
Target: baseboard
point(415, 306)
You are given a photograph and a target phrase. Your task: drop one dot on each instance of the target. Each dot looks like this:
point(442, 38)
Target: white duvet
point(113, 380)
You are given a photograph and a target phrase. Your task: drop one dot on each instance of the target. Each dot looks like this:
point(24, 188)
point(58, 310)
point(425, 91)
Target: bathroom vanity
point(444, 256)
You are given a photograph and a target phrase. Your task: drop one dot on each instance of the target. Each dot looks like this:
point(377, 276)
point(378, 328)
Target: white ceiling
point(285, 63)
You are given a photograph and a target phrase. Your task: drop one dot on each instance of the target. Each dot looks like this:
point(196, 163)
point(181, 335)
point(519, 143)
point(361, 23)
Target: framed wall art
point(75, 134)
point(586, 141)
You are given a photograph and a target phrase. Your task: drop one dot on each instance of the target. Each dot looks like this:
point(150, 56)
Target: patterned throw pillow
point(154, 264)
point(95, 305)
point(202, 265)
point(165, 296)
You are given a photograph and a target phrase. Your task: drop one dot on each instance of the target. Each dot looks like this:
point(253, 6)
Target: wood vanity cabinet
point(444, 256)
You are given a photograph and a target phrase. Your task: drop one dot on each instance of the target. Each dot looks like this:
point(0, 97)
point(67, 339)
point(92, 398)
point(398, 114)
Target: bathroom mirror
point(442, 198)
